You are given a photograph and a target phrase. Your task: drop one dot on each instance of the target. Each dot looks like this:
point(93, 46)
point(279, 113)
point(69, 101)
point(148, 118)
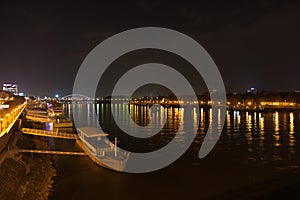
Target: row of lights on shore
point(12, 113)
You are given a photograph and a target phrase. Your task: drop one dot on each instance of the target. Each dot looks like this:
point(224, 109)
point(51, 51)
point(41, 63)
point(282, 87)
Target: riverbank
point(26, 176)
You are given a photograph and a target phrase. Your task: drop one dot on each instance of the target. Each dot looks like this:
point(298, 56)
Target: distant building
point(12, 88)
point(252, 90)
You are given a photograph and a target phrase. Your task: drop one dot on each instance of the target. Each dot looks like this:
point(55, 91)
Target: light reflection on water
point(254, 137)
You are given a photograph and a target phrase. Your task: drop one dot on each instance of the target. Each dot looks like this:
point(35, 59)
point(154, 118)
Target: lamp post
point(7, 115)
point(1, 120)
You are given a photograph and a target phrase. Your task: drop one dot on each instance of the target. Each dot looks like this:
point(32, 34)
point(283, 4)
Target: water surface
point(256, 155)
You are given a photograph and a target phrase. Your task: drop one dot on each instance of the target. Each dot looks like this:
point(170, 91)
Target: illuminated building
point(12, 88)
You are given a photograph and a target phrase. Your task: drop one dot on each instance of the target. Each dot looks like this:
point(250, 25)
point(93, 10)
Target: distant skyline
point(155, 91)
point(254, 44)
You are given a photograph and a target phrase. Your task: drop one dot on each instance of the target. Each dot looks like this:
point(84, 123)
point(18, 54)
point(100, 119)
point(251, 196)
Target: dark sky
point(254, 43)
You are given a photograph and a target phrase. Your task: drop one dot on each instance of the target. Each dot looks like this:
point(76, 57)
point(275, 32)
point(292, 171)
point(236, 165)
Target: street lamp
point(7, 115)
point(1, 120)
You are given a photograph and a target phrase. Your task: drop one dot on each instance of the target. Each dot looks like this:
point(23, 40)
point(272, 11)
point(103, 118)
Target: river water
point(257, 156)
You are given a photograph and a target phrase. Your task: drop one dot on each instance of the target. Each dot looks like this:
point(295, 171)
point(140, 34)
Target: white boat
point(55, 111)
point(42, 115)
point(55, 108)
point(37, 115)
point(62, 122)
point(38, 118)
point(94, 142)
point(34, 111)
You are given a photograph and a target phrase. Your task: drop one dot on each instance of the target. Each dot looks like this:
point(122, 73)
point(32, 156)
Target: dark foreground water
point(257, 156)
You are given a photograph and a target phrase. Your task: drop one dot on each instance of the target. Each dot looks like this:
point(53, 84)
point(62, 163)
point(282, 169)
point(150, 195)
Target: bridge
point(75, 97)
point(54, 134)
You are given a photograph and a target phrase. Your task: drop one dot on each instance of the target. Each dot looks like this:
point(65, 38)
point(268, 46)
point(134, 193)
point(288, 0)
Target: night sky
point(253, 43)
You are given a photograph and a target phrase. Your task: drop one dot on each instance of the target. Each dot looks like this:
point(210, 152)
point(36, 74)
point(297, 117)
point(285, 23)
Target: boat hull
point(37, 119)
point(119, 168)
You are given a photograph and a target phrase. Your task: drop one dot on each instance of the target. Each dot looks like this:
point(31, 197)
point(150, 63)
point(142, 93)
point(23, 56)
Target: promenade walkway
point(8, 119)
